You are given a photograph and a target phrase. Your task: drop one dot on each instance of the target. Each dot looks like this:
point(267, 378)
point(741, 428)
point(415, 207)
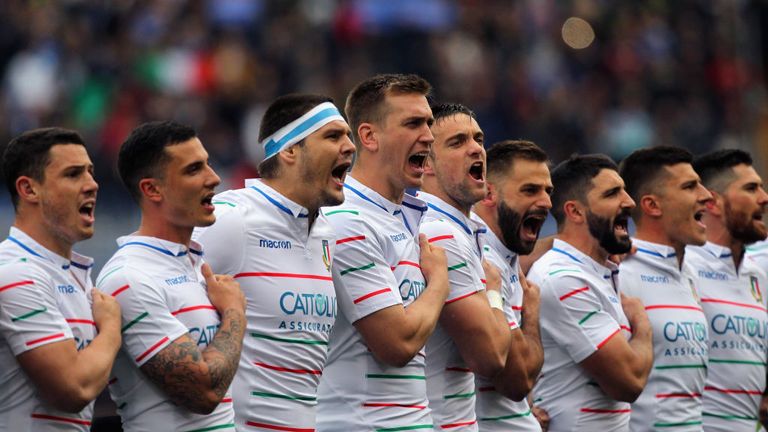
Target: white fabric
point(300, 128)
point(376, 266)
point(734, 303)
point(580, 311)
point(162, 296)
point(672, 398)
point(450, 383)
point(44, 298)
point(284, 269)
point(496, 413)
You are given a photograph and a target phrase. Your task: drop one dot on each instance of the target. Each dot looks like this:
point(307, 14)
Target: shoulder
point(22, 271)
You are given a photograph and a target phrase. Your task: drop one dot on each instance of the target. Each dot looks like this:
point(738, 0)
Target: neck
point(48, 239)
point(158, 227)
point(717, 233)
point(491, 220)
point(295, 190)
point(580, 238)
point(377, 181)
point(431, 186)
point(654, 233)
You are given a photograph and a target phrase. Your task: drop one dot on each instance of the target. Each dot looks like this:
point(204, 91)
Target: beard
point(510, 223)
point(603, 230)
point(741, 227)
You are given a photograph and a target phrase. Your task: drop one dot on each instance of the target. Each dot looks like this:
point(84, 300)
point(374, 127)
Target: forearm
point(422, 315)
point(223, 353)
point(94, 362)
point(532, 336)
point(524, 360)
point(642, 346)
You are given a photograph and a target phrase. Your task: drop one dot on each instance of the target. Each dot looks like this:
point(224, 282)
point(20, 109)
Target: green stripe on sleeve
point(354, 269)
point(29, 314)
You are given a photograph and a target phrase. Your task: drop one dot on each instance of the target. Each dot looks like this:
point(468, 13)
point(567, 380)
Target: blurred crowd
point(682, 72)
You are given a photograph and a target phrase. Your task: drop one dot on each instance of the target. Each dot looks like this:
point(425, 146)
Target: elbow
point(517, 390)
point(487, 366)
point(71, 401)
point(206, 404)
point(628, 392)
point(395, 356)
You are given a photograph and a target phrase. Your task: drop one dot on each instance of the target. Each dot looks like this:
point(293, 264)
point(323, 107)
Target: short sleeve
point(224, 241)
point(29, 313)
point(362, 276)
point(572, 313)
point(464, 269)
point(147, 323)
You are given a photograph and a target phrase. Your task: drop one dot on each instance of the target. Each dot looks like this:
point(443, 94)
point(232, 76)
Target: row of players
point(358, 307)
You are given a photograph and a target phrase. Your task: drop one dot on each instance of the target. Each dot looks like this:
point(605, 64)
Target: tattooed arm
point(198, 380)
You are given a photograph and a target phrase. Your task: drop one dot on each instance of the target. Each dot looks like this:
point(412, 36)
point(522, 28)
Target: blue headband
point(300, 128)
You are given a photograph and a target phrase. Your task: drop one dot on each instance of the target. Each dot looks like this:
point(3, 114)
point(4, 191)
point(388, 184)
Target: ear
point(649, 204)
point(715, 205)
point(368, 138)
point(575, 212)
point(27, 188)
point(151, 189)
point(429, 163)
point(491, 198)
point(290, 155)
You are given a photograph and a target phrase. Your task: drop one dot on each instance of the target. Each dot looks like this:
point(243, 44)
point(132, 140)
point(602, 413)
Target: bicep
point(48, 366)
point(470, 323)
point(177, 367)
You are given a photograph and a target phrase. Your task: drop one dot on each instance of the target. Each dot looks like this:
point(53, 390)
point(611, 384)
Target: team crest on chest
point(754, 287)
point(327, 255)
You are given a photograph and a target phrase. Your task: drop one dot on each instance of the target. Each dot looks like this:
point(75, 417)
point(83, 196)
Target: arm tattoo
point(185, 374)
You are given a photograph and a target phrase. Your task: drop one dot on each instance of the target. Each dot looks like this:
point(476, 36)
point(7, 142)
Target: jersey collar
point(277, 199)
point(164, 247)
point(410, 210)
point(22, 240)
point(656, 255)
point(605, 269)
point(489, 237)
point(442, 210)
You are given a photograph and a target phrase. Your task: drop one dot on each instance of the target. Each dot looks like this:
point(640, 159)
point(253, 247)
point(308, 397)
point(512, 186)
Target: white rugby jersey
point(263, 239)
point(672, 397)
point(376, 266)
point(496, 413)
point(162, 295)
point(44, 298)
point(735, 306)
point(450, 383)
point(580, 312)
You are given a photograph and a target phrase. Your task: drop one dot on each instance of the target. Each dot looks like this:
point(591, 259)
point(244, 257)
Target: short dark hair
point(29, 153)
point(365, 103)
point(716, 168)
point(643, 169)
point(143, 155)
point(572, 180)
point(444, 110)
point(502, 155)
point(282, 111)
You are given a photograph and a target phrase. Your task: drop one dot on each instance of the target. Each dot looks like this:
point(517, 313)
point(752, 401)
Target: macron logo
point(713, 275)
point(654, 279)
point(178, 280)
point(274, 244)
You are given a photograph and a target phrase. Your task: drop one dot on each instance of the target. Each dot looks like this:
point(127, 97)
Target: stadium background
point(621, 76)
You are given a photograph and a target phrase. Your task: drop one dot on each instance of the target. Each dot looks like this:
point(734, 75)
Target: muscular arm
point(621, 367)
point(526, 355)
point(194, 379)
point(69, 379)
point(395, 334)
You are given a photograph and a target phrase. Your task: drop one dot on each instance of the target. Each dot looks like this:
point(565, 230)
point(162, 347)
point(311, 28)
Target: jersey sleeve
point(362, 276)
point(147, 324)
point(29, 312)
point(224, 241)
point(573, 313)
point(463, 273)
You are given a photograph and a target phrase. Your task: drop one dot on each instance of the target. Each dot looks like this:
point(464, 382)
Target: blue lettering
point(738, 325)
point(308, 304)
point(673, 331)
point(398, 237)
point(706, 274)
point(177, 280)
point(274, 244)
point(654, 278)
point(66, 289)
point(411, 289)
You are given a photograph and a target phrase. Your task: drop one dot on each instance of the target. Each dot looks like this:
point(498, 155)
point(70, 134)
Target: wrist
point(495, 299)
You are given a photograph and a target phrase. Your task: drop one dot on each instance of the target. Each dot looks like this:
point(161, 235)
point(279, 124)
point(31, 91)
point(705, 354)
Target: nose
point(545, 201)
point(91, 185)
point(426, 135)
point(347, 147)
point(213, 179)
point(704, 194)
point(627, 201)
point(762, 198)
